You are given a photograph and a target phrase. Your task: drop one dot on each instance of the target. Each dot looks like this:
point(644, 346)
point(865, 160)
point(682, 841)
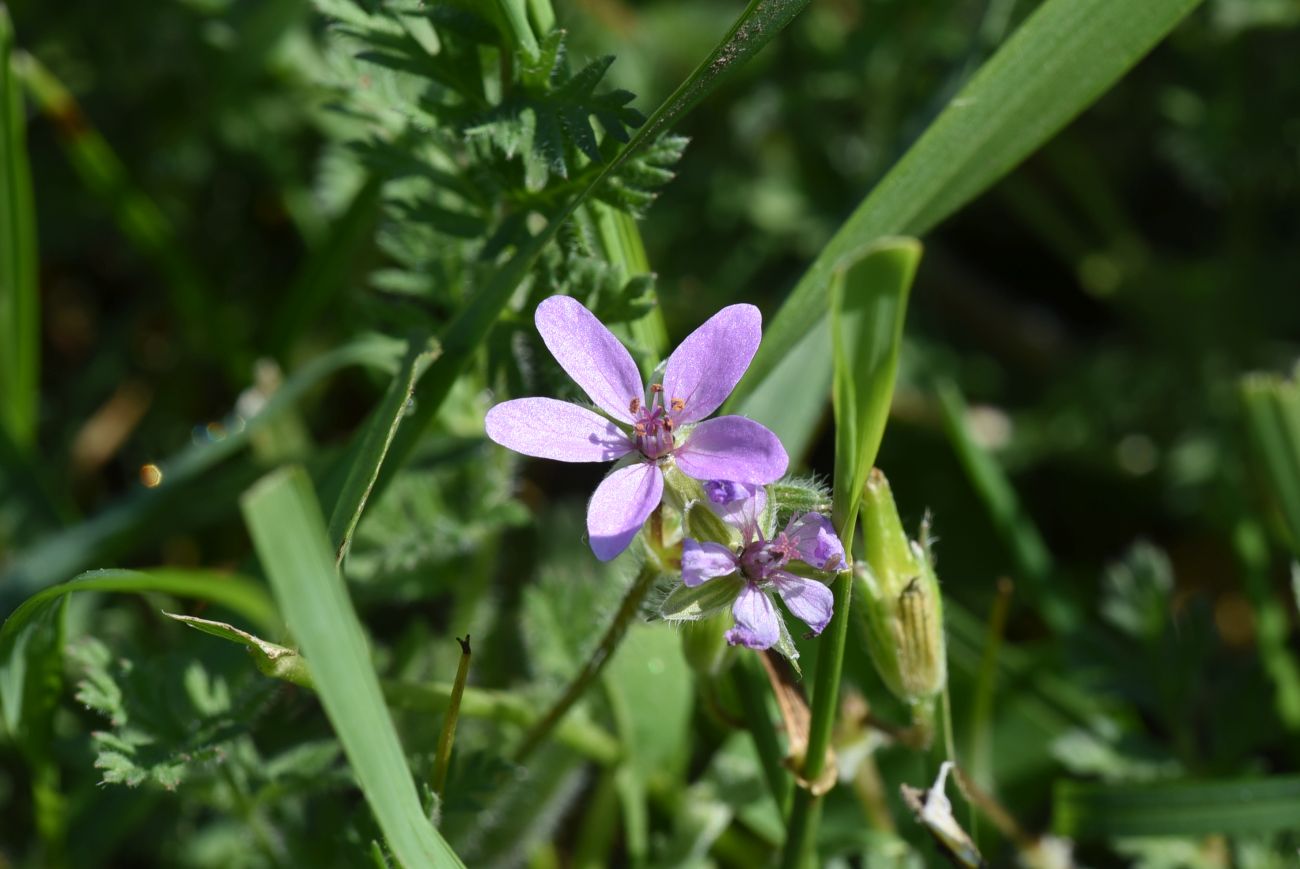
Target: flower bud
point(901, 610)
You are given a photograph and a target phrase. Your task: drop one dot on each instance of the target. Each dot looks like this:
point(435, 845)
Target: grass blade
point(289, 535)
point(1060, 60)
point(1271, 407)
point(380, 429)
point(1183, 808)
point(868, 306)
point(19, 303)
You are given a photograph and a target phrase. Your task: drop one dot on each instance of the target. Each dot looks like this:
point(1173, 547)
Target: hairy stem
point(806, 809)
point(593, 666)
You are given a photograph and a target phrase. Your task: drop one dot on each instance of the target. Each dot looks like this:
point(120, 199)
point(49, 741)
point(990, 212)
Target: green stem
point(442, 760)
point(594, 665)
point(752, 690)
point(805, 812)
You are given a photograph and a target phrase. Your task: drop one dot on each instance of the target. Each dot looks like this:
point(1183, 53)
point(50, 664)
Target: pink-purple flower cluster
point(763, 563)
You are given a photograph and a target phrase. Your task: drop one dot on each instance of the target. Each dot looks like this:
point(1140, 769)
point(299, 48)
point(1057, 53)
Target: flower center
point(653, 424)
point(761, 558)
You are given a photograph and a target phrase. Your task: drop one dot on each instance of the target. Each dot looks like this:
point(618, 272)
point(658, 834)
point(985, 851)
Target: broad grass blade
point(289, 535)
point(868, 305)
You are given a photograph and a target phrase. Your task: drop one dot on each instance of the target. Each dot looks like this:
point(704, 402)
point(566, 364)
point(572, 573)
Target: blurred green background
point(1096, 308)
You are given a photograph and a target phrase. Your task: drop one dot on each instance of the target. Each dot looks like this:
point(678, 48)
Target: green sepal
point(686, 604)
point(703, 524)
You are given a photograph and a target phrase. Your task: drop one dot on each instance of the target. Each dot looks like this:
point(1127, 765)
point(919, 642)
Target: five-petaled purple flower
point(656, 426)
point(761, 563)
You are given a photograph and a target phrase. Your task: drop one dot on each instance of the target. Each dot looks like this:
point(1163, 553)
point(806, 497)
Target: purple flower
point(656, 426)
point(761, 563)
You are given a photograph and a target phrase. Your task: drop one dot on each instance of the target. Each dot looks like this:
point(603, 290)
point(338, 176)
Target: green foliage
point(167, 717)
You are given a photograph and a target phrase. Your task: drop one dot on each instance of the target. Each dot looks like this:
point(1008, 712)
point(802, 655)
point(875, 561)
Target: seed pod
point(901, 609)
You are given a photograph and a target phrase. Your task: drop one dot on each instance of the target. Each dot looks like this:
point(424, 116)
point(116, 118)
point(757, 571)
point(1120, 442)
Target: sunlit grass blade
point(1032, 558)
point(757, 25)
point(372, 445)
point(289, 535)
point(1272, 413)
point(868, 306)
point(147, 511)
point(1182, 808)
point(1061, 59)
point(19, 302)
point(138, 217)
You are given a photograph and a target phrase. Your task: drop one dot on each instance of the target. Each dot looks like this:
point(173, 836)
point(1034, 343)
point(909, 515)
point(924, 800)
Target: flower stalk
point(594, 665)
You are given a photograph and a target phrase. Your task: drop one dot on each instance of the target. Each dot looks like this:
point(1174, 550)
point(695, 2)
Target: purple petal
point(550, 429)
point(810, 601)
point(704, 561)
point(815, 538)
point(621, 504)
point(706, 366)
point(732, 448)
point(757, 623)
point(737, 504)
point(590, 354)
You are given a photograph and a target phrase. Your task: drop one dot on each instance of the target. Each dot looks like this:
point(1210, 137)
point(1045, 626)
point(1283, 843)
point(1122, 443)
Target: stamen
point(668, 423)
point(678, 405)
point(656, 387)
point(635, 405)
point(640, 429)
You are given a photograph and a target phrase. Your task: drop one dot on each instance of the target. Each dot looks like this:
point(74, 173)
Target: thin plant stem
point(442, 760)
point(538, 733)
point(758, 720)
point(806, 808)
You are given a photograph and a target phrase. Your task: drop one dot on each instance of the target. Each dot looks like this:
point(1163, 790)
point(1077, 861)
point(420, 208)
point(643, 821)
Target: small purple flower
point(761, 563)
point(665, 423)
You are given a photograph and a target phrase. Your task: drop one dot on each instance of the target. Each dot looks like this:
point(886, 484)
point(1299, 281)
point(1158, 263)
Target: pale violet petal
point(704, 561)
point(810, 601)
point(550, 429)
point(737, 504)
point(621, 504)
point(591, 355)
point(816, 540)
point(732, 448)
point(705, 367)
point(758, 625)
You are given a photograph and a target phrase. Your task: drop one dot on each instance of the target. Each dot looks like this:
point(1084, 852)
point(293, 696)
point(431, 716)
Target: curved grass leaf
point(19, 303)
point(1271, 407)
point(1183, 808)
point(289, 535)
point(31, 644)
point(1061, 59)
